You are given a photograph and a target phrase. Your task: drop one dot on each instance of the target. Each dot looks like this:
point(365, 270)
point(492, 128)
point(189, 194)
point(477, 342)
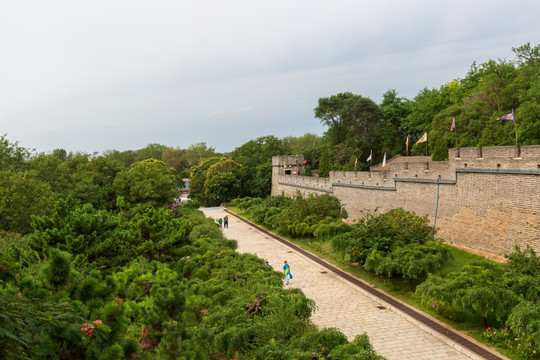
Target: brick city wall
point(486, 200)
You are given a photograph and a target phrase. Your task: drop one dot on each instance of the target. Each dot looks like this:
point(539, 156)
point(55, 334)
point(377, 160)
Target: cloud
point(100, 75)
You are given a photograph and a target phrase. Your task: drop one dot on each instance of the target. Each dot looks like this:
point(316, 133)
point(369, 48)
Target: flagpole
point(455, 136)
point(515, 127)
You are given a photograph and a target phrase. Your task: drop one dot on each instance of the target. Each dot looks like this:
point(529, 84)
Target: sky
point(100, 75)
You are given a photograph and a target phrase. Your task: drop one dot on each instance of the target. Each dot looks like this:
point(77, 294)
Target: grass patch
point(459, 259)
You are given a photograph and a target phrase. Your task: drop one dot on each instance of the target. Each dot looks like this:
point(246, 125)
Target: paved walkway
point(342, 304)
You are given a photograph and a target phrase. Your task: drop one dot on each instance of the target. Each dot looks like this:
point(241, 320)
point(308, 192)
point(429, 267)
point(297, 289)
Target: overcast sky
point(97, 75)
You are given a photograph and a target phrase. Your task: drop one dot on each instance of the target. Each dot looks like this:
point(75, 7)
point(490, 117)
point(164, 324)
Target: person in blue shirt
point(287, 271)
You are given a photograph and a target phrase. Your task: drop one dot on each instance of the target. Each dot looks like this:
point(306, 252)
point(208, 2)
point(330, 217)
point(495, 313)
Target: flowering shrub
point(508, 340)
point(88, 329)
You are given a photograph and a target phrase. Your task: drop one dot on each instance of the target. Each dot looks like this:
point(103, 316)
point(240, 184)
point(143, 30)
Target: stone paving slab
point(343, 305)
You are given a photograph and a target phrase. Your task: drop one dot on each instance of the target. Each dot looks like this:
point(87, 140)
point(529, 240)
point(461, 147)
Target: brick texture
point(486, 200)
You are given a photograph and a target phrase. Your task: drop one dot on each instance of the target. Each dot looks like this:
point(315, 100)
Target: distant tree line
point(357, 125)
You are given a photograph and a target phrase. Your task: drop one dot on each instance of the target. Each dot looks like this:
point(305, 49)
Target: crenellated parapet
point(485, 199)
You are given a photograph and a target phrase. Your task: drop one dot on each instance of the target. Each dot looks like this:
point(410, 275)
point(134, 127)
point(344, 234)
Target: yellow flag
point(422, 139)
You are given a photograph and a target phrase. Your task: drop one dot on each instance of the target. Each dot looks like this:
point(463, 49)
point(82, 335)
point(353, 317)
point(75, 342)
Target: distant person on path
point(226, 221)
point(267, 264)
point(287, 271)
point(220, 222)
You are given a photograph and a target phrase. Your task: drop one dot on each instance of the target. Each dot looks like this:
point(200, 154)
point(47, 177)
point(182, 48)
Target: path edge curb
point(489, 353)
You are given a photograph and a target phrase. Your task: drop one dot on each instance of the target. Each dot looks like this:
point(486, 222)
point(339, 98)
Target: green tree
point(494, 79)
point(93, 182)
point(12, 156)
point(497, 133)
point(83, 231)
point(174, 157)
point(443, 137)
point(412, 261)
point(150, 151)
point(21, 197)
point(125, 157)
point(324, 166)
point(256, 159)
point(394, 111)
point(352, 119)
point(526, 87)
point(524, 321)
point(49, 169)
point(154, 233)
point(222, 187)
point(222, 181)
point(197, 179)
point(477, 290)
point(196, 153)
point(390, 230)
point(28, 326)
point(57, 271)
point(148, 182)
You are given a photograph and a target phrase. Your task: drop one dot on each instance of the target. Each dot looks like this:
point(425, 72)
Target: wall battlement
point(484, 199)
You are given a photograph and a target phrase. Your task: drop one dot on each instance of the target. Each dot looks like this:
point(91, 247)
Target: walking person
point(287, 271)
point(220, 222)
point(226, 221)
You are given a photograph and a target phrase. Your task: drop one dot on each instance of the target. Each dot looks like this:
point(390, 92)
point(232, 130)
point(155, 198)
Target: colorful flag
point(384, 160)
point(371, 153)
point(355, 162)
point(453, 124)
point(507, 116)
point(422, 139)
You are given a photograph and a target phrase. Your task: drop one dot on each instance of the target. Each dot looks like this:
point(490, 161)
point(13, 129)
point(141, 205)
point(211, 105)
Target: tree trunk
point(410, 285)
point(484, 322)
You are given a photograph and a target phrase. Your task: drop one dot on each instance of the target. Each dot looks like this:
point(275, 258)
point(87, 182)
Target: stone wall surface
point(486, 200)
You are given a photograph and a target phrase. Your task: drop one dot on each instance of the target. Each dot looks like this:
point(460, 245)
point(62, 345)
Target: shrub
point(57, 272)
point(325, 232)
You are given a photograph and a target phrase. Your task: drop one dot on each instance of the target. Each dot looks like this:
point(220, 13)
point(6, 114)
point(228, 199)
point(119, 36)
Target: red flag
point(453, 124)
point(355, 162)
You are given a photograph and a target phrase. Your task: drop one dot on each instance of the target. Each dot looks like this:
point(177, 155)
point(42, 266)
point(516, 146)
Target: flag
point(407, 144)
point(422, 139)
point(507, 116)
point(453, 124)
point(369, 158)
point(384, 160)
point(355, 162)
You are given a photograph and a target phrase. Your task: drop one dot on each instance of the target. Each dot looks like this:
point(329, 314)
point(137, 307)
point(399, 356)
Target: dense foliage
point(298, 216)
point(395, 243)
point(357, 125)
point(507, 294)
point(144, 287)
point(86, 277)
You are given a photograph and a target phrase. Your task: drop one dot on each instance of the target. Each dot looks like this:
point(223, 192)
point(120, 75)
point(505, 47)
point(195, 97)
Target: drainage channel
point(454, 336)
